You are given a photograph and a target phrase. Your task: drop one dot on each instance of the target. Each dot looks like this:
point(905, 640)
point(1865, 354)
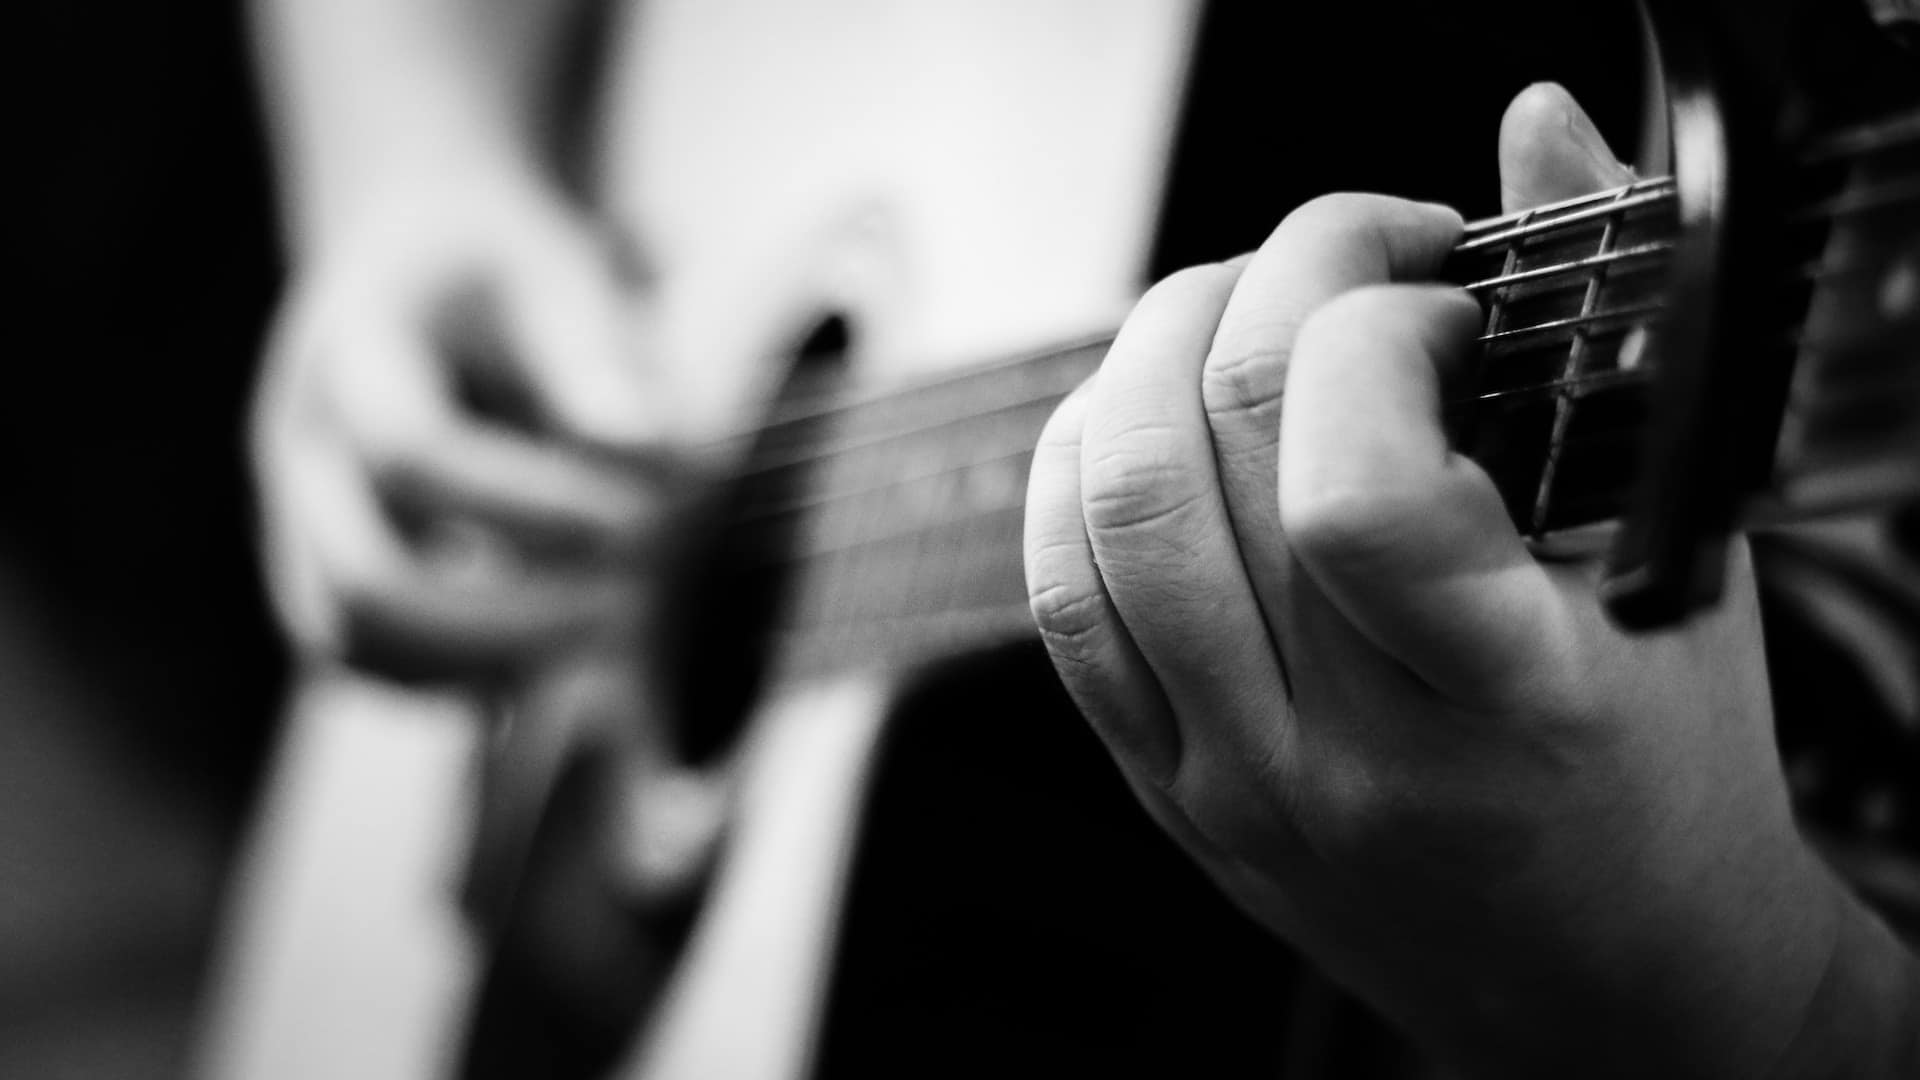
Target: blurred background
point(138, 672)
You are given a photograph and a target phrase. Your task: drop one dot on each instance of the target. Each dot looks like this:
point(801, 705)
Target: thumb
point(1408, 539)
point(1550, 151)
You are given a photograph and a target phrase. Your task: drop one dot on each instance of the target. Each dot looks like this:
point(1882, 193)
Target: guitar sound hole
point(732, 593)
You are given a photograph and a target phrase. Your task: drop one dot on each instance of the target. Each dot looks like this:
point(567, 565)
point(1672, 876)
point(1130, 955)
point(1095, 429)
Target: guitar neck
point(895, 522)
point(893, 519)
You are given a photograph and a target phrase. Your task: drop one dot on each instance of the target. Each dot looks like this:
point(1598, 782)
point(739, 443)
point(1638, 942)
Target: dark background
point(137, 666)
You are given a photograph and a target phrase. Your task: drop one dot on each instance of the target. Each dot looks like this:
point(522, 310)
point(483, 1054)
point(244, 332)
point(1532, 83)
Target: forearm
point(366, 96)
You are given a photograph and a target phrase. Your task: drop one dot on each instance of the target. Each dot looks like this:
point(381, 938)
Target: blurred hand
point(1332, 670)
point(461, 461)
point(467, 476)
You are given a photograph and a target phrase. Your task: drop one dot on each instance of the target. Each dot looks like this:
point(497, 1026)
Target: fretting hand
point(1331, 669)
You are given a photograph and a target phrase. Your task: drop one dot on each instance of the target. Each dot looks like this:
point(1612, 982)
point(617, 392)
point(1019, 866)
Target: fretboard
point(893, 517)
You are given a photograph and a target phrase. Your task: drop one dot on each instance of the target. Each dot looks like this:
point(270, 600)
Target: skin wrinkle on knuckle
point(1115, 514)
point(1137, 480)
point(1248, 379)
point(1067, 613)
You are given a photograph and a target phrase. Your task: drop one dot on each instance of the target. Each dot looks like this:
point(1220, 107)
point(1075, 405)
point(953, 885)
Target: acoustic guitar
point(1732, 349)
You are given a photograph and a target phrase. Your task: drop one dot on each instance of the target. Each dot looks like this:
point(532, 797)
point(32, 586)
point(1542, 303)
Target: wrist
point(1863, 1018)
point(468, 179)
point(1703, 963)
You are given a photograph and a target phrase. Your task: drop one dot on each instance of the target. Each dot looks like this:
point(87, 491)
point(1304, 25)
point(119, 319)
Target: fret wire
point(1576, 358)
point(1497, 309)
point(937, 547)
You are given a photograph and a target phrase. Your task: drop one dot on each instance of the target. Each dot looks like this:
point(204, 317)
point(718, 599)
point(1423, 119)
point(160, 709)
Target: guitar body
point(776, 166)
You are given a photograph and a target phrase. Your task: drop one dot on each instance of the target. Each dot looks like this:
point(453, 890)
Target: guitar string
point(1858, 142)
point(1601, 207)
point(830, 404)
point(1596, 380)
point(1022, 447)
point(819, 498)
point(1038, 362)
point(1022, 439)
point(890, 626)
point(973, 514)
point(865, 440)
point(1658, 194)
point(1611, 495)
point(1574, 266)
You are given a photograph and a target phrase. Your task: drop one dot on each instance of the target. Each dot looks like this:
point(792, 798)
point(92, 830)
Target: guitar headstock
point(1796, 130)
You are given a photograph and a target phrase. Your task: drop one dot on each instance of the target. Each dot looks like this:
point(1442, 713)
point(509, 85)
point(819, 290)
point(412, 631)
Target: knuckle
point(1070, 619)
point(1345, 521)
point(1137, 486)
point(1247, 373)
